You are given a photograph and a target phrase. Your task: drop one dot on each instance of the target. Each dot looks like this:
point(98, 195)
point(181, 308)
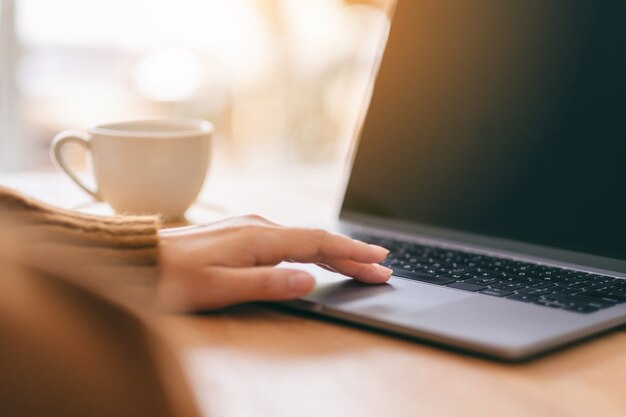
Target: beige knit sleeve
point(66, 349)
point(117, 250)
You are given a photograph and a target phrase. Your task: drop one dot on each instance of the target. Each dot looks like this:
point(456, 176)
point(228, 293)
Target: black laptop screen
point(502, 118)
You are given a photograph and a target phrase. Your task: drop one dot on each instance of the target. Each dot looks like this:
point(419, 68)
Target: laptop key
point(481, 281)
point(533, 291)
point(565, 290)
point(551, 303)
point(514, 279)
point(621, 294)
point(579, 300)
point(495, 292)
point(466, 286)
point(581, 309)
point(594, 286)
point(619, 287)
point(578, 285)
point(539, 284)
point(523, 297)
point(621, 284)
point(509, 286)
point(603, 296)
point(418, 276)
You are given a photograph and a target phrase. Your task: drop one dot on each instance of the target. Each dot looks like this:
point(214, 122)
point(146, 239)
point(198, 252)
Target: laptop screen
point(501, 118)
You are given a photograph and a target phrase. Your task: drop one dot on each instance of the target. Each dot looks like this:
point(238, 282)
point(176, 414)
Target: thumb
point(223, 286)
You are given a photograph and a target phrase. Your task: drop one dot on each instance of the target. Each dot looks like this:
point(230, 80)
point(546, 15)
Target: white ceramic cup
point(144, 166)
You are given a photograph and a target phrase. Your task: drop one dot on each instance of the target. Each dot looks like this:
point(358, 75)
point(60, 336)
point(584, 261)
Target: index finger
point(315, 245)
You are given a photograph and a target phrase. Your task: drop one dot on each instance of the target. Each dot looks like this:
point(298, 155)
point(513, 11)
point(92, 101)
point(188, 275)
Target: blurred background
point(284, 81)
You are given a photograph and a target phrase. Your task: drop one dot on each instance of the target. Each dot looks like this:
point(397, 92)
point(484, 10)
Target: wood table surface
point(258, 360)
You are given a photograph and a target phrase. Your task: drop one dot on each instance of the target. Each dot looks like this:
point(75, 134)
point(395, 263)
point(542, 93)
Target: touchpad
point(398, 296)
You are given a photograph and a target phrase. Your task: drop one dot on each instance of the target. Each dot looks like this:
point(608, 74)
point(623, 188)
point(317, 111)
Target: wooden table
point(258, 361)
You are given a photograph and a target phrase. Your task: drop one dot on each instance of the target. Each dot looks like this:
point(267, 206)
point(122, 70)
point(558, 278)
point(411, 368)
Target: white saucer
point(199, 212)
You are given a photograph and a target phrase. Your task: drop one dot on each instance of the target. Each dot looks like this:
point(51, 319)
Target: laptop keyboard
point(547, 286)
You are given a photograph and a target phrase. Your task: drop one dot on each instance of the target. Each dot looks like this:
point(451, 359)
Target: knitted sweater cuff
point(117, 248)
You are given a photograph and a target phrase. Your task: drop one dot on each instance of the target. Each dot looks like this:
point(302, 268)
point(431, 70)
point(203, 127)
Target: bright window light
point(168, 75)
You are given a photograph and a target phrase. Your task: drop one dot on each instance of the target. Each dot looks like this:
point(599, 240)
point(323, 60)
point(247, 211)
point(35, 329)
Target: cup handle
point(62, 139)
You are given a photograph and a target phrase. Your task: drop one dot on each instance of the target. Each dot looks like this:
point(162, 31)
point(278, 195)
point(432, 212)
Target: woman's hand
point(231, 261)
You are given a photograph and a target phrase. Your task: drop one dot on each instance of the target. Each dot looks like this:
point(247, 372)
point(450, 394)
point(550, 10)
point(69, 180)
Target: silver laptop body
point(509, 81)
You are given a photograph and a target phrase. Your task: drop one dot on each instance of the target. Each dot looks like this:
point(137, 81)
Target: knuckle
point(255, 218)
point(236, 229)
point(319, 234)
point(254, 230)
point(320, 237)
point(246, 229)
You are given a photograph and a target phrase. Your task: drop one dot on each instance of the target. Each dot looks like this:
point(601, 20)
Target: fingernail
point(300, 282)
point(384, 270)
point(379, 249)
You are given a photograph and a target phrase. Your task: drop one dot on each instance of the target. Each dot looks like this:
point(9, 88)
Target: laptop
point(492, 163)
